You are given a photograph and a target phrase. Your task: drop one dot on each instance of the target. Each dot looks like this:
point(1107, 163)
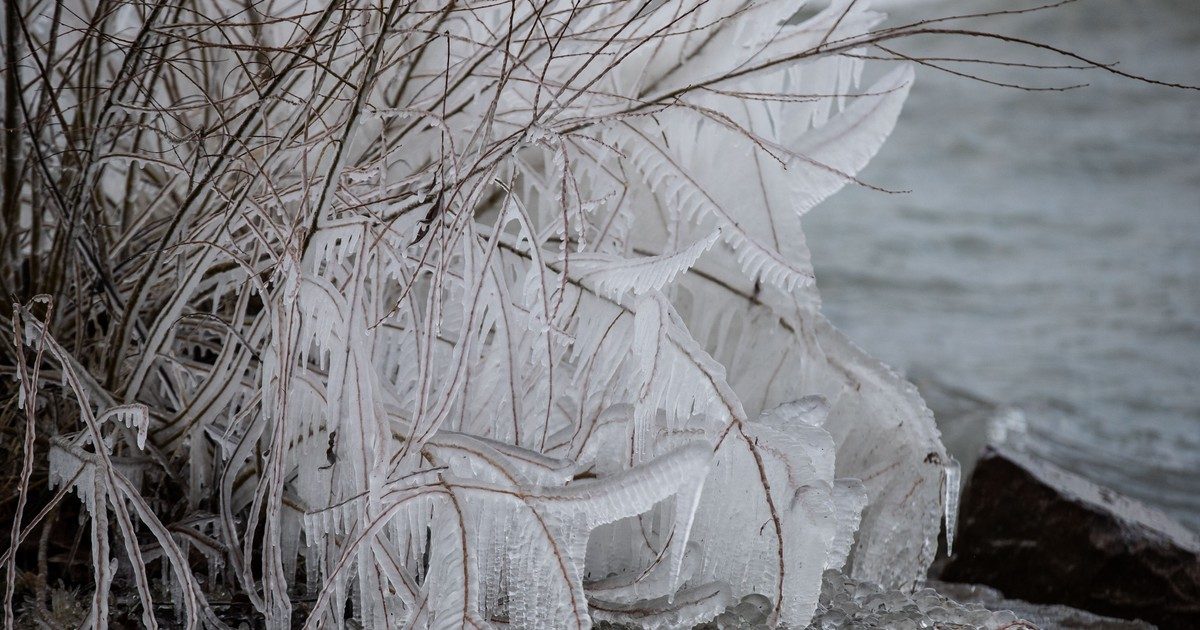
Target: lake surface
point(1048, 254)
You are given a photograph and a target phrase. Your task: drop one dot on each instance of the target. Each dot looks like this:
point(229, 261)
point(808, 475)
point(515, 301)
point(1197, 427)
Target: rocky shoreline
point(1056, 548)
point(1041, 534)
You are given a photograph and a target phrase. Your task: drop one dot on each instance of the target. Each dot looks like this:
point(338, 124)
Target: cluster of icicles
point(531, 378)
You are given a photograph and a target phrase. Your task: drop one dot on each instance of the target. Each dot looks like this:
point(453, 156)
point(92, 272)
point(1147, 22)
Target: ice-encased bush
point(457, 314)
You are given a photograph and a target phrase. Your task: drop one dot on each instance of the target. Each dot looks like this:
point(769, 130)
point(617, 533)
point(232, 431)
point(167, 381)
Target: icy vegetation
point(440, 315)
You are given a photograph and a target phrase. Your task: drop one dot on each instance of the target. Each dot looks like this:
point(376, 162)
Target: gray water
point(1048, 254)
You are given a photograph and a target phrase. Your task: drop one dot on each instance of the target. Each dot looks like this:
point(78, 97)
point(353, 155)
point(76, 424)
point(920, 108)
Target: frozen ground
point(1049, 254)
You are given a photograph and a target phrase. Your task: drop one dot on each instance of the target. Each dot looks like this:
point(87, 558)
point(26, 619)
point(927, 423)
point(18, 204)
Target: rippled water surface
point(1048, 255)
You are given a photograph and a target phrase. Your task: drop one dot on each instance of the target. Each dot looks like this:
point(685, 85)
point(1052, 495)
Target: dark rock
point(1041, 534)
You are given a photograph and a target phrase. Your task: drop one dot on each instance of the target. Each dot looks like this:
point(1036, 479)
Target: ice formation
point(849, 603)
point(505, 316)
point(862, 605)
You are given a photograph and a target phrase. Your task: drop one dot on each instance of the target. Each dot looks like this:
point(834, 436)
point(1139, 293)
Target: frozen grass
point(441, 314)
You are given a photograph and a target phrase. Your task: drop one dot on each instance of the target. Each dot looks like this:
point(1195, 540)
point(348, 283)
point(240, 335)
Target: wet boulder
point(1041, 534)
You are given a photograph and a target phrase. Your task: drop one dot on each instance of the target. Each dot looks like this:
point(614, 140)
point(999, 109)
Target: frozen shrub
point(440, 314)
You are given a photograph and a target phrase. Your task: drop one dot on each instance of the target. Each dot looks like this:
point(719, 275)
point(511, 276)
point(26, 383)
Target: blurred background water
point(1048, 254)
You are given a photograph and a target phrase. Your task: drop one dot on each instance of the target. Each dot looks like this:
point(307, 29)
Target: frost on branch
point(478, 314)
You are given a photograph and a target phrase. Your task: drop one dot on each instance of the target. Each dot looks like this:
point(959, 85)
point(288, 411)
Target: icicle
point(951, 473)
